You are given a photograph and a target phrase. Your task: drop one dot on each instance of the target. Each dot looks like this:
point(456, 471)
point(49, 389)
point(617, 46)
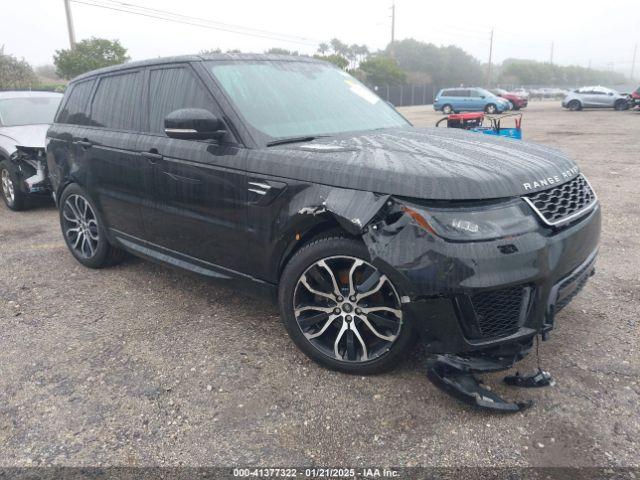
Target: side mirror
point(193, 124)
point(610, 94)
point(482, 96)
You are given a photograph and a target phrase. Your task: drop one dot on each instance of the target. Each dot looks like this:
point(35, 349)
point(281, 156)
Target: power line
point(195, 21)
point(212, 22)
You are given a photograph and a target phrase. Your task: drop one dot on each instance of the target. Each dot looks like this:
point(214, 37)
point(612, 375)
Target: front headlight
point(475, 223)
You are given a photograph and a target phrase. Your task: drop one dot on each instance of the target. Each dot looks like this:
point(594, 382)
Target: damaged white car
point(24, 120)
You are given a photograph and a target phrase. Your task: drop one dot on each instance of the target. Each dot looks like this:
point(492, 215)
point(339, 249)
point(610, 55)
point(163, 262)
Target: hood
point(433, 163)
point(26, 135)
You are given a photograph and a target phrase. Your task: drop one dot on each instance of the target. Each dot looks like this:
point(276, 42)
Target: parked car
point(595, 97)
point(517, 101)
point(521, 92)
point(456, 100)
point(287, 177)
point(24, 120)
point(635, 97)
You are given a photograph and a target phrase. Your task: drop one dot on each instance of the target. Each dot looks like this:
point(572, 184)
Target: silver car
point(595, 97)
point(24, 120)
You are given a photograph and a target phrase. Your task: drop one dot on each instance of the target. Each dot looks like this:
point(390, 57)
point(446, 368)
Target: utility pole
point(633, 62)
point(393, 22)
point(72, 35)
point(551, 55)
point(490, 60)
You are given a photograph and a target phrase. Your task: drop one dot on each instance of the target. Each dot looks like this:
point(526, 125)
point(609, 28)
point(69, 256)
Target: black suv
point(286, 176)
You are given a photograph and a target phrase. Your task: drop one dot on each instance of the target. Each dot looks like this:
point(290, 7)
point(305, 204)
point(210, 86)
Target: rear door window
point(77, 103)
point(172, 89)
point(116, 104)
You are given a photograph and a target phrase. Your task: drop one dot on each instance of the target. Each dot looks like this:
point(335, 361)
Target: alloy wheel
point(491, 109)
point(7, 187)
point(80, 226)
point(347, 309)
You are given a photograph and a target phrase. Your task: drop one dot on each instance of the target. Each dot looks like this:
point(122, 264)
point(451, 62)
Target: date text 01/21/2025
point(316, 472)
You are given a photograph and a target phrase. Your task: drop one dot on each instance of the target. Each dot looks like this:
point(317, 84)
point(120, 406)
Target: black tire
point(574, 106)
point(95, 251)
point(13, 197)
point(515, 107)
point(621, 105)
point(447, 109)
point(335, 248)
point(491, 108)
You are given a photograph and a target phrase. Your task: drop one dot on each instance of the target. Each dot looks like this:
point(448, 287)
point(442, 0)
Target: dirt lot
point(143, 365)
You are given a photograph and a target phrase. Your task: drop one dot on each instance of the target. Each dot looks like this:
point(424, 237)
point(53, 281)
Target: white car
point(24, 120)
point(595, 97)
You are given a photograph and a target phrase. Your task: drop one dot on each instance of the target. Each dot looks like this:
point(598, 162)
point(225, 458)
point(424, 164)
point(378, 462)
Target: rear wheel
point(490, 108)
point(342, 311)
point(83, 230)
point(447, 109)
point(574, 105)
point(13, 197)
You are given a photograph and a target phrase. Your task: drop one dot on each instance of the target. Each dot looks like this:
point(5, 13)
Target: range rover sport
point(287, 177)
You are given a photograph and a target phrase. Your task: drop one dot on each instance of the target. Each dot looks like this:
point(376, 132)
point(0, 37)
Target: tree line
point(406, 61)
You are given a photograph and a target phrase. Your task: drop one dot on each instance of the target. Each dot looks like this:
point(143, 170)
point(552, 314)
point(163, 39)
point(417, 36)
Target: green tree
point(426, 62)
point(88, 55)
point(381, 71)
point(530, 72)
point(338, 60)
point(14, 73)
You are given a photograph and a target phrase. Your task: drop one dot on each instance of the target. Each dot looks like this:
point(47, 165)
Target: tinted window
point(116, 103)
point(75, 108)
point(448, 93)
point(28, 110)
point(171, 89)
point(464, 93)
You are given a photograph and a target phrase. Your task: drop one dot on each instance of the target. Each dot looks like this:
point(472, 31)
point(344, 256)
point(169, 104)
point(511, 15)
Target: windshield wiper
point(283, 141)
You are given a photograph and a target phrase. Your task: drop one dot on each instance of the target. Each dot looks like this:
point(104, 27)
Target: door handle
point(152, 156)
point(84, 143)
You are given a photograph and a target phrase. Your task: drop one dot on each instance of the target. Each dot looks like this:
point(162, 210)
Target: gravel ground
point(143, 365)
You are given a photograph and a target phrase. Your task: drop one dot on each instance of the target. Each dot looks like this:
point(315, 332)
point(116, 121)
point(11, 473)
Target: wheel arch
point(302, 234)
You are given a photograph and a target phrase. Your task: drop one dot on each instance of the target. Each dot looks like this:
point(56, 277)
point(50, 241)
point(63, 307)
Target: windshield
point(28, 110)
point(285, 99)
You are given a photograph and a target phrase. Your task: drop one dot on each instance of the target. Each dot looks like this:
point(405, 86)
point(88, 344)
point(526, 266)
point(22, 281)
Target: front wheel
point(620, 105)
point(83, 230)
point(342, 311)
point(447, 109)
point(491, 108)
point(13, 197)
point(574, 105)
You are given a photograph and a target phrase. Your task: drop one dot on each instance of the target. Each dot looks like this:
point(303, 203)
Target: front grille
point(564, 202)
point(498, 312)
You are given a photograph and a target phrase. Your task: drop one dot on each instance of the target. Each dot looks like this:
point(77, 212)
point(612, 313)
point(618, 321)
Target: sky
point(599, 33)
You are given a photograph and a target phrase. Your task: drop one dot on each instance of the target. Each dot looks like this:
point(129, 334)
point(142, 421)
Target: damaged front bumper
point(465, 297)
point(31, 168)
